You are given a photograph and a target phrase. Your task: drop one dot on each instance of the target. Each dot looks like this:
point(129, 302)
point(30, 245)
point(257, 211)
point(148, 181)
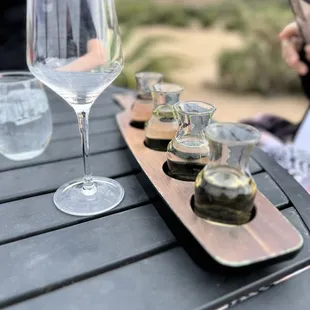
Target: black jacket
point(13, 35)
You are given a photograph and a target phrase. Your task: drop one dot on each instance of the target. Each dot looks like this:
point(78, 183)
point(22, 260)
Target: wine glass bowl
point(74, 47)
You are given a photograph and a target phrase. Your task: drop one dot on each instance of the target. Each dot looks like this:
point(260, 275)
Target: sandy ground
point(187, 2)
point(201, 48)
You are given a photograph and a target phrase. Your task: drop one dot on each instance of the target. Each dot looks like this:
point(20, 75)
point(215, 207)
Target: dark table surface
point(137, 256)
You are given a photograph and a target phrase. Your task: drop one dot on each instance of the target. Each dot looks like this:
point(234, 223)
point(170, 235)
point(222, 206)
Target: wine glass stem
point(89, 187)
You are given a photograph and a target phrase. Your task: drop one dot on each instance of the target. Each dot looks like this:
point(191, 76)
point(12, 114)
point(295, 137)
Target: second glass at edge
point(26, 124)
point(74, 47)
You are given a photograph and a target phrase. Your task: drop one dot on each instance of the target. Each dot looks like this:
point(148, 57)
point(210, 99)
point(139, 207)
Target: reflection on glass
point(143, 105)
point(74, 47)
point(162, 126)
point(144, 82)
point(25, 118)
point(225, 189)
point(189, 152)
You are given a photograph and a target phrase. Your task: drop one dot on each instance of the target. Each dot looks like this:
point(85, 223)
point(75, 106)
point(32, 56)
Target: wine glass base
point(70, 199)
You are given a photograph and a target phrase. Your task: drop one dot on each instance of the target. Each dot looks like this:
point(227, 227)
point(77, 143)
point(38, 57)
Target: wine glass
point(74, 47)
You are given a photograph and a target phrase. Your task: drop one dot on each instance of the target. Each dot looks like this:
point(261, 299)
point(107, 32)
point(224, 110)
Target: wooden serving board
point(268, 236)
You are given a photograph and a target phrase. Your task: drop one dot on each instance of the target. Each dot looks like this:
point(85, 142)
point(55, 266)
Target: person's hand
point(95, 57)
point(291, 42)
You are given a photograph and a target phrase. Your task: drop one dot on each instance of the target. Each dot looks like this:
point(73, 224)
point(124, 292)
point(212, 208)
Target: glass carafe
point(225, 189)
point(26, 124)
point(162, 126)
point(143, 105)
point(188, 152)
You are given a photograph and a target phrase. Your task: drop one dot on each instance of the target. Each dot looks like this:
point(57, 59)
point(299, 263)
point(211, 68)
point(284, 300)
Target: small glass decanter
point(143, 105)
point(162, 126)
point(189, 152)
point(225, 190)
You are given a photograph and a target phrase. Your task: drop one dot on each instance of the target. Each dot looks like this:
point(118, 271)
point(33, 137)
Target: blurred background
point(222, 51)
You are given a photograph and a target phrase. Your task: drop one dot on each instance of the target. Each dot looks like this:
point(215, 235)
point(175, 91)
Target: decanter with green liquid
point(225, 189)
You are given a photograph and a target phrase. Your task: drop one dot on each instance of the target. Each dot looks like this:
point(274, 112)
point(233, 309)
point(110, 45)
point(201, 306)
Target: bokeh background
point(222, 51)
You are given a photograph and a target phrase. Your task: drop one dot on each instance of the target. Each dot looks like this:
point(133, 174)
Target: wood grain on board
point(268, 235)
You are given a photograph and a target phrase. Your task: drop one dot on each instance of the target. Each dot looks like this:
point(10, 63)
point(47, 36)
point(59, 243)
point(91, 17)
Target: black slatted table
point(137, 256)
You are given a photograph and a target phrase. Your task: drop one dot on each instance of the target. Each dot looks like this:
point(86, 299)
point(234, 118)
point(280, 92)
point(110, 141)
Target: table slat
point(293, 190)
point(271, 190)
point(163, 282)
point(289, 295)
point(52, 259)
point(23, 218)
point(68, 131)
point(26, 182)
point(67, 149)
point(254, 166)
point(96, 113)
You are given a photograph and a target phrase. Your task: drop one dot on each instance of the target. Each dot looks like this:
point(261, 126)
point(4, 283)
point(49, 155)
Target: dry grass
point(187, 2)
point(202, 47)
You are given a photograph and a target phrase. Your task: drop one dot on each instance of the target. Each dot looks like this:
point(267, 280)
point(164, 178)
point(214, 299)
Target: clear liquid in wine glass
point(82, 85)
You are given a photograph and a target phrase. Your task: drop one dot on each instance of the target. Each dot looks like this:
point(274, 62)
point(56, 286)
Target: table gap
point(133, 172)
point(77, 222)
point(63, 159)
point(78, 135)
point(121, 263)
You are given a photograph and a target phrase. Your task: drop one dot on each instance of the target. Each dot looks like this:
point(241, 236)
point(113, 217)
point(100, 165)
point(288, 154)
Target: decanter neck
point(193, 125)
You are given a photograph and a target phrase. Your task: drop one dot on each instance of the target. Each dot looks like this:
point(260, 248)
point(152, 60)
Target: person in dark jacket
point(295, 155)
point(75, 22)
point(13, 35)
